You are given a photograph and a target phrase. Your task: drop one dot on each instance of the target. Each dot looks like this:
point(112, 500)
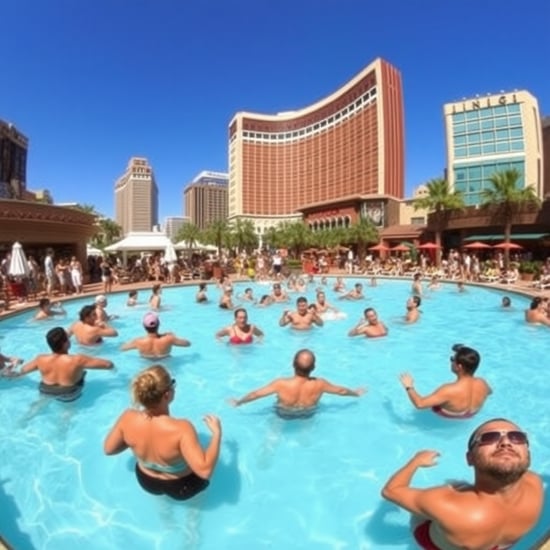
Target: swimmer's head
point(152, 385)
point(304, 362)
point(57, 339)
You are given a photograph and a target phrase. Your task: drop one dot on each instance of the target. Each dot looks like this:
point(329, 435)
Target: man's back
point(155, 345)
point(299, 391)
point(60, 369)
point(467, 394)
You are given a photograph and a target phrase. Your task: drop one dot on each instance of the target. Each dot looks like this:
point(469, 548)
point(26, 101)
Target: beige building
point(206, 198)
point(489, 134)
point(136, 197)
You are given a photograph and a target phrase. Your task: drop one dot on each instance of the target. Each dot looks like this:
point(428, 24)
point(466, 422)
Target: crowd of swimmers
point(497, 509)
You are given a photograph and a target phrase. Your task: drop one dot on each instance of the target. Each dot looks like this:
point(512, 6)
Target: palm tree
point(297, 236)
point(274, 237)
point(508, 199)
point(191, 234)
point(244, 235)
point(362, 233)
point(218, 233)
point(439, 201)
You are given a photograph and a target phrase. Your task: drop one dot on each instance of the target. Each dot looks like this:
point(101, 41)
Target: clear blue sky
point(94, 82)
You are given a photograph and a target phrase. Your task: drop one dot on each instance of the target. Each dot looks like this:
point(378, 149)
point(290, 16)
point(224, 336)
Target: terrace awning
point(513, 237)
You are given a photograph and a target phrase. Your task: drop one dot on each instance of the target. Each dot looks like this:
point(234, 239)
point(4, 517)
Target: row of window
point(489, 136)
point(489, 124)
point(261, 137)
point(516, 146)
point(487, 112)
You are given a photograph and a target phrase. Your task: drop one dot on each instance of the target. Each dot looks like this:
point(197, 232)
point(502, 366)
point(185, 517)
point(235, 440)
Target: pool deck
point(91, 290)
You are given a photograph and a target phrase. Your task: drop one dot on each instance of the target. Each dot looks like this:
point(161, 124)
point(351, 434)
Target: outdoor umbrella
point(400, 248)
point(18, 262)
point(170, 255)
point(379, 247)
point(509, 246)
point(477, 245)
point(428, 246)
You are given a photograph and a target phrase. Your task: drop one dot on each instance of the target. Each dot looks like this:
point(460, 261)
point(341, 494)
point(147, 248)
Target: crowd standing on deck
point(502, 504)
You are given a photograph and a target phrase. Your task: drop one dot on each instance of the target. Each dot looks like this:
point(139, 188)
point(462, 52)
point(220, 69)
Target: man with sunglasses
point(462, 398)
point(502, 505)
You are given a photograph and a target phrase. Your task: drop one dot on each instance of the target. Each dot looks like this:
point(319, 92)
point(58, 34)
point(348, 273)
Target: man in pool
point(87, 331)
point(62, 373)
point(47, 309)
point(536, 314)
point(459, 399)
point(299, 394)
point(502, 505)
point(413, 313)
point(301, 319)
point(154, 345)
point(370, 326)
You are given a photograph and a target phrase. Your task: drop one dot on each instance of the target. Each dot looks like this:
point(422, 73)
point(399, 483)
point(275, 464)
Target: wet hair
point(299, 369)
point(476, 431)
point(155, 288)
point(264, 298)
point(535, 302)
point(86, 311)
point(150, 385)
point(57, 338)
point(240, 310)
point(248, 289)
point(132, 293)
point(417, 300)
point(506, 302)
point(301, 300)
point(468, 358)
point(43, 303)
point(202, 286)
point(368, 310)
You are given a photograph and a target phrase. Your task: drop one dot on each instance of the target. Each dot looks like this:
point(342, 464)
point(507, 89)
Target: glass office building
point(493, 134)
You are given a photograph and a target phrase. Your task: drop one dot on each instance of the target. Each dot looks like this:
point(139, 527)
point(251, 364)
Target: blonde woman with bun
point(170, 459)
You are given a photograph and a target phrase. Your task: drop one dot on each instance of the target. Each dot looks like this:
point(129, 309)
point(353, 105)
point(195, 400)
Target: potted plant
point(527, 270)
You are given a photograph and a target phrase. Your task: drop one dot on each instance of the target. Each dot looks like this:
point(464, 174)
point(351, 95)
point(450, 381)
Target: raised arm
point(226, 331)
point(438, 397)
point(132, 344)
point(114, 442)
point(182, 342)
point(107, 331)
point(257, 331)
point(285, 319)
point(329, 387)
point(270, 389)
point(201, 461)
point(417, 501)
point(90, 362)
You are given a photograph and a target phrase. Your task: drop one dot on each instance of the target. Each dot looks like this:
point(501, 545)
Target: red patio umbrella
point(477, 245)
point(400, 248)
point(509, 246)
point(379, 247)
point(428, 246)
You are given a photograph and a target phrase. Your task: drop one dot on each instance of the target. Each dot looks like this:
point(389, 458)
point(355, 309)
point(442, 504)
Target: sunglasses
point(452, 358)
point(491, 438)
point(172, 383)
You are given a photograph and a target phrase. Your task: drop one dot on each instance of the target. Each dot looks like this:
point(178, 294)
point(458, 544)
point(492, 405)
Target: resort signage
point(482, 103)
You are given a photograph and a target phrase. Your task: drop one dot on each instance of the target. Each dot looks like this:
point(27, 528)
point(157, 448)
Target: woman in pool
point(241, 331)
point(170, 459)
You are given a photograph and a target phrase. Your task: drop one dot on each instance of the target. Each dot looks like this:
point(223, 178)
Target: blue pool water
point(310, 483)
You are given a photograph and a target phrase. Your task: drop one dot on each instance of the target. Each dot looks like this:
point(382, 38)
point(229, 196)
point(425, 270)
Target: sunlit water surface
point(308, 483)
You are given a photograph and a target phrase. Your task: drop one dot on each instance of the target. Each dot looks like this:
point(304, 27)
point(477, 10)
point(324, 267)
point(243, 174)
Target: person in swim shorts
point(241, 331)
point(62, 373)
point(301, 392)
point(459, 399)
point(87, 330)
point(170, 458)
point(154, 345)
point(501, 506)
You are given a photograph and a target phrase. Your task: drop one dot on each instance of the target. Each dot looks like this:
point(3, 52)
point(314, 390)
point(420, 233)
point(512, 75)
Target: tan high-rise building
point(13, 162)
point(490, 134)
point(136, 197)
point(349, 145)
point(206, 198)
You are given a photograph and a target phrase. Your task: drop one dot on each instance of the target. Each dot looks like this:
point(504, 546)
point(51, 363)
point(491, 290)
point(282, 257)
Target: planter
point(527, 276)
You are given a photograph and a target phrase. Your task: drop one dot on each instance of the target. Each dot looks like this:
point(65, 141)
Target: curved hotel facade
point(327, 161)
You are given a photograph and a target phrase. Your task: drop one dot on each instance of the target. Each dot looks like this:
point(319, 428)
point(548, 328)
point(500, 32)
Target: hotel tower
point(136, 197)
point(328, 159)
point(493, 133)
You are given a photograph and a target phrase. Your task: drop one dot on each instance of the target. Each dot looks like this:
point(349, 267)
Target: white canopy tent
point(140, 241)
point(18, 266)
point(184, 245)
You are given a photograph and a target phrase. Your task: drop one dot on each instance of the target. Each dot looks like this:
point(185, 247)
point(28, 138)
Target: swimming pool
point(309, 483)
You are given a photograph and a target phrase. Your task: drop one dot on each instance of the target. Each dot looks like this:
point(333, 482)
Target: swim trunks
point(438, 409)
point(294, 413)
point(181, 488)
point(422, 536)
point(63, 393)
